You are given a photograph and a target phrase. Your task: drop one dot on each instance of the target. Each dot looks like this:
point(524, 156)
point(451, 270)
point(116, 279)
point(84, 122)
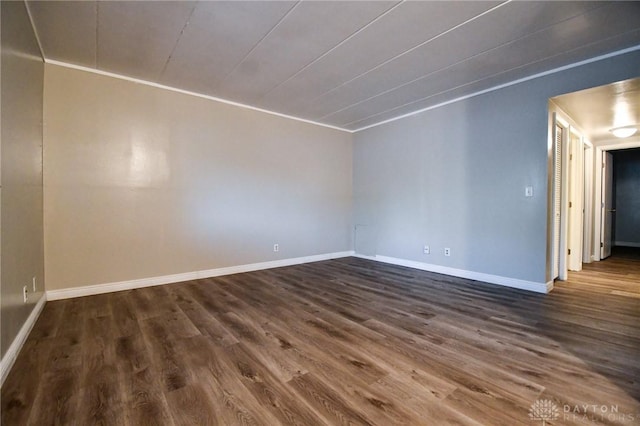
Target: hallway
point(618, 275)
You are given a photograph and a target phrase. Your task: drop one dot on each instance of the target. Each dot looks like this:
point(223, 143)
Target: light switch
point(528, 191)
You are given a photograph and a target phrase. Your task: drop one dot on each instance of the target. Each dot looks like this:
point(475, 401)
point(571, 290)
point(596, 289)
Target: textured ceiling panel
point(452, 48)
point(564, 36)
point(219, 36)
point(470, 88)
point(309, 31)
point(136, 38)
point(67, 31)
point(403, 28)
point(350, 64)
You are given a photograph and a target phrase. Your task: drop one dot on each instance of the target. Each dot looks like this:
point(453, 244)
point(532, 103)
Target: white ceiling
point(348, 64)
point(600, 109)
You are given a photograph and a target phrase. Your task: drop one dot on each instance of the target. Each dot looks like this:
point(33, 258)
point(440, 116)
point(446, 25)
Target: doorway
point(583, 127)
point(619, 189)
point(571, 197)
point(608, 210)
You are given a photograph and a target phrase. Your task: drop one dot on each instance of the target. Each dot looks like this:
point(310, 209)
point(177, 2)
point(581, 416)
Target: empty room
point(320, 212)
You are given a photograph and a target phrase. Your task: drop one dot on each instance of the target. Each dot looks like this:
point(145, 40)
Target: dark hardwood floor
point(345, 341)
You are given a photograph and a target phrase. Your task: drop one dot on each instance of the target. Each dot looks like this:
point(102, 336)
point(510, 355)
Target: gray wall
point(142, 182)
point(627, 201)
point(455, 177)
point(21, 194)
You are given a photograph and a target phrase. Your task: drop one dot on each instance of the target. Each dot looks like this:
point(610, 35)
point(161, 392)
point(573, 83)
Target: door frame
point(612, 145)
point(576, 200)
point(557, 115)
point(607, 191)
point(563, 258)
point(588, 235)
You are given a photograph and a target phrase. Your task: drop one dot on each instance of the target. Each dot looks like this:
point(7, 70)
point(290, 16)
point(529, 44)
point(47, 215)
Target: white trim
point(587, 226)
point(601, 147)
point(228, 102)
point(597, 205)
point(563, 268)
point(477, 276)
point(90, 290)
point(35, 32)
point(616, 144)
point(10, 356)
point(187, 92)
point(502, 86)
point(626, 244)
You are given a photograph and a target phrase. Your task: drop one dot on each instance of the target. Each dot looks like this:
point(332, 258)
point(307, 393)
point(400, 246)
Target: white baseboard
point(67, 293)
point(477, 276)
point(626, 244)
point(9, 358)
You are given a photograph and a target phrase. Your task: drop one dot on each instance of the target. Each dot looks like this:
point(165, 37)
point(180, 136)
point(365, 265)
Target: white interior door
point(607, 205)
point(576, 202)
point(558, 131)
point(587, 209)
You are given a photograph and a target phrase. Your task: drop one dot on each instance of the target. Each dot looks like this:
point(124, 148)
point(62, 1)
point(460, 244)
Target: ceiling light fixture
point(624, 132)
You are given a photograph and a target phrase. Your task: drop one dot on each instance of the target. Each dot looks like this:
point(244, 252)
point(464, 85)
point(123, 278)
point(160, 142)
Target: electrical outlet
point(34, 284)
point(447, 251)
point(25, 294)
point(276, 247)
point(426, 250)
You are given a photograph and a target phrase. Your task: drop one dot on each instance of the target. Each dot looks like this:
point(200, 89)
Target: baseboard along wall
point(67, 293)
point(461, 273)
point(9, 358)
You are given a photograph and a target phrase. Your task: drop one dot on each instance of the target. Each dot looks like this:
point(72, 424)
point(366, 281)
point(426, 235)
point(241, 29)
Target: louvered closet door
point(557, 196)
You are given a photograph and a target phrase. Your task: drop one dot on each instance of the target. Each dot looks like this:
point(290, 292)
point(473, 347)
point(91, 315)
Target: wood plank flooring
point(346, 341)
